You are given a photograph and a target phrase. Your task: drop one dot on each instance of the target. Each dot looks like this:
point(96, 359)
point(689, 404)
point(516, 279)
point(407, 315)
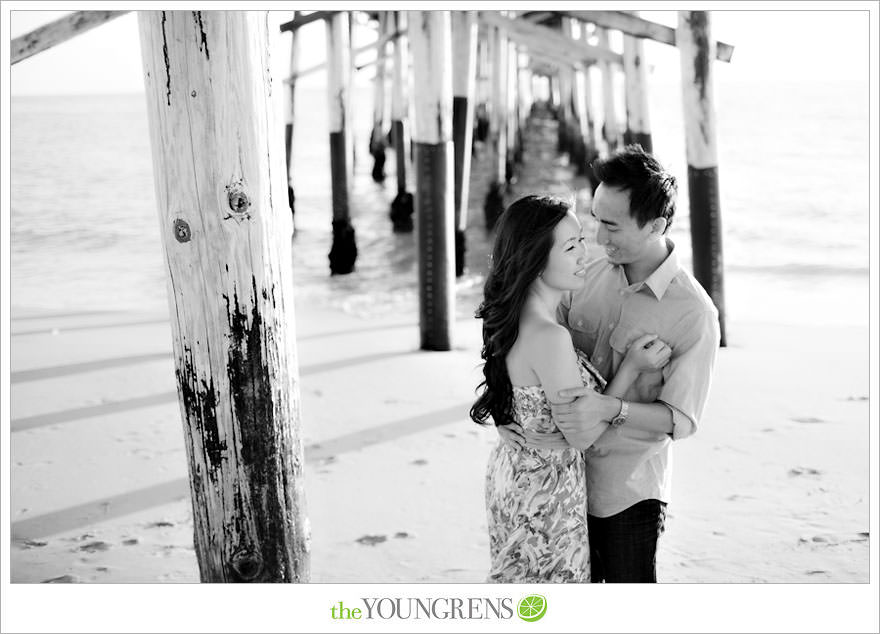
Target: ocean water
point(793, 161)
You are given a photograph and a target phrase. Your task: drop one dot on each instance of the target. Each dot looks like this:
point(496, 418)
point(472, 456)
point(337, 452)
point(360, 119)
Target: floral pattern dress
point(536, 499)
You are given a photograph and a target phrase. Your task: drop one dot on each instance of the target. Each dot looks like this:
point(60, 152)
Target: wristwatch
point(620, 419)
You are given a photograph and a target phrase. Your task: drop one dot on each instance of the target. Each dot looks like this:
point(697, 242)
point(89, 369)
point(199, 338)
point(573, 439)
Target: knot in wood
point(247, 564)
point(182, 231)
point(238, 201)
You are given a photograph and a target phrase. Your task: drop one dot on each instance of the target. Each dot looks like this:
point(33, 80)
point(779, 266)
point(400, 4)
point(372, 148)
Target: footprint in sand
point(34, 543)
point(62, 579)
point(95, 547)
point(419, 461)
point(817, 572)
point(161, 524)
point(856, 398)
point(402, 535)
point(371, 540)
point(798, 471)
point(134, 541)
point(809, 419)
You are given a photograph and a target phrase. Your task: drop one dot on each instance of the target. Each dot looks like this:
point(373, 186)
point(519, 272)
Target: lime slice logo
point(532, 608)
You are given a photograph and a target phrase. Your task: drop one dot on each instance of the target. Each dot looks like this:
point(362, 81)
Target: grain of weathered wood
point(58, 31)
point(218, 165)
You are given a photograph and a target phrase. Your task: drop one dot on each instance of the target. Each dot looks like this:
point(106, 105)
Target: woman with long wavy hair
point(536, 495)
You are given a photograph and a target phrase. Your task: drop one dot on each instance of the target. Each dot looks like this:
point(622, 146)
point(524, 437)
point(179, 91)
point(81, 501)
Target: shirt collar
point(662, 277)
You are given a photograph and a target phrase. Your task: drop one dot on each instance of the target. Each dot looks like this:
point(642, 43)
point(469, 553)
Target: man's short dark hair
point(652, 189)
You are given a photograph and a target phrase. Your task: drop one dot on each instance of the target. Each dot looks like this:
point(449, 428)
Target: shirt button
point(599, 359)
point(580, 322)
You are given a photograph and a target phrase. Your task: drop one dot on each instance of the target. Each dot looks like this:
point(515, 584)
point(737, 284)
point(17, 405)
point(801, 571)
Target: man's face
point(618, 233)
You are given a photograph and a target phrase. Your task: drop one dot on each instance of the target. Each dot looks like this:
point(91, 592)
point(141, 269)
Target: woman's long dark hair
point(522, 245)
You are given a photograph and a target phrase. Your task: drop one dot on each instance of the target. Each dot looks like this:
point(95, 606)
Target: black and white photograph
point(493, 294)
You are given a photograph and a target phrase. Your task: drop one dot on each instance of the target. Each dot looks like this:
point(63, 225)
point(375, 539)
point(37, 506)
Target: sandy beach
point(772, 488)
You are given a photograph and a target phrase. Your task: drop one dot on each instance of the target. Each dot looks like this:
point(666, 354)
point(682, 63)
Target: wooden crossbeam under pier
point(548, 40)
point(639, 27)
point(58, 31)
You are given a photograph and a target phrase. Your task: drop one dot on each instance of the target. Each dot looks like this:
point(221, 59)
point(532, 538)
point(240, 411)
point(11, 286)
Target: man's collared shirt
point(627, 465)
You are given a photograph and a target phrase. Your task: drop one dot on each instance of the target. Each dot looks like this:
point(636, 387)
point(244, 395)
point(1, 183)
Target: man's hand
point(512, 434)
point(518, 437)
point(588, 407)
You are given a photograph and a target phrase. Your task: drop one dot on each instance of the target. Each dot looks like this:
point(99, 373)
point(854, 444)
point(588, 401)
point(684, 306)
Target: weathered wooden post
point(494, 204)
point(697, 49)
point(563, 140)
point(377, 135)
point(430, 37)
point(402, 205)
point(218, 166)
point(609, 115)
point(524, 101)
point(291, 113)
point(464, 60)
point(483, 89)
point(638, 126)
point(512, 116)
point(343, 252)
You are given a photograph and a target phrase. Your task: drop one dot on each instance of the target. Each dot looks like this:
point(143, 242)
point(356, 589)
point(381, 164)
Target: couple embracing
point(591, 371)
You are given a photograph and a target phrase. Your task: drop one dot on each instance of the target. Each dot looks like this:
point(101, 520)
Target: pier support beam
point(377, 134)
point(402, 205)
point(694, 40)
point(464, 61)
point(431, 41)
point(638, 125)
point(219, 180)
point(343, 252)
point(610, 128)
point(290, 87)
point(494, 204)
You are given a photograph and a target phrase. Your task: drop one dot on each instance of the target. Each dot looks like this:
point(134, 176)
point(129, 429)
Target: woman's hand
point(646, 354)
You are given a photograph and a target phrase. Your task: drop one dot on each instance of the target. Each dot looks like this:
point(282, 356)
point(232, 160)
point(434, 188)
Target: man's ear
point(658, 226)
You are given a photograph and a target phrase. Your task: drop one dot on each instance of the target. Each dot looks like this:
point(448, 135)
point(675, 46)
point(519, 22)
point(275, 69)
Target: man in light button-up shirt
point(638, 289)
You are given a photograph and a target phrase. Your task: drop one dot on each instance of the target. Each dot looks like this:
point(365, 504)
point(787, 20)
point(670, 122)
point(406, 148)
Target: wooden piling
point(494, 204)
point(218, 171)
point(512, 117)
point(464, 59)
point(610, 133)
point(402, 205)
point(377, 134)
point(290, 88)
point(694, 40)
point(430, 37)
point(638, 126)
point(525, 99)
point(343, 252)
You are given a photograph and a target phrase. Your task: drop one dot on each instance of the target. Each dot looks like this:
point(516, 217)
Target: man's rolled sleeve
point(688, 375)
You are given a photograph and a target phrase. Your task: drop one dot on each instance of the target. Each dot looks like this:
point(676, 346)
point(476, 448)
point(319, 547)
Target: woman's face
point(565, 264)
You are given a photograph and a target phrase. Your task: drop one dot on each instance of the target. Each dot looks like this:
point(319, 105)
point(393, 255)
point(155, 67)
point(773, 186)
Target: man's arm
point(688, 376)
point(650, 417)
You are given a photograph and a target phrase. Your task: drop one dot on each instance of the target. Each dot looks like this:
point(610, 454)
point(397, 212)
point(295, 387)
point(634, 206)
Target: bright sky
point(769, 45)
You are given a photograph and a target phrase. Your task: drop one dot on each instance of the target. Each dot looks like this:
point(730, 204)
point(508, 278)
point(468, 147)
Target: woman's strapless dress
point(536, 499)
